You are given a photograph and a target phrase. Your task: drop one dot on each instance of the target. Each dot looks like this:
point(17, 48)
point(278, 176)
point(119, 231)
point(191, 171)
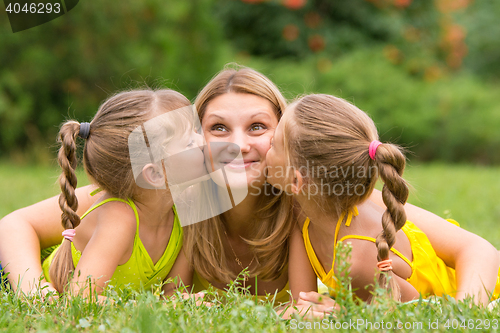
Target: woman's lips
point(239, 164)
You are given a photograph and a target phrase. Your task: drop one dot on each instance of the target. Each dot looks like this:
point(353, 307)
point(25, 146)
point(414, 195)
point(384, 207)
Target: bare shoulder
point(376, 197)
point(110, 229)
point(362, 270)
point(114, 219)
point(117, 213)
point(87, 196)
point(427, 221)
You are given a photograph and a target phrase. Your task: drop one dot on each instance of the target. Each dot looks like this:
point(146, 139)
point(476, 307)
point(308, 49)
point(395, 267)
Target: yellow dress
point(200, 283)
point(430, 275)
point(139, 271)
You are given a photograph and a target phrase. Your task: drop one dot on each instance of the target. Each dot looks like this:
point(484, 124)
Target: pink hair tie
point(385, 265)
point(372, 149)
point(69, 234)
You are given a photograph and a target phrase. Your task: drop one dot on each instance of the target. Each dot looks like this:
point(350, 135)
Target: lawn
point(469, 194)
point(465, 193)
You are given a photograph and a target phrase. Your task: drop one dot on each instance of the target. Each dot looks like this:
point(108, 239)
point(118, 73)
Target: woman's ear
point(297, 183)
point(153, 175)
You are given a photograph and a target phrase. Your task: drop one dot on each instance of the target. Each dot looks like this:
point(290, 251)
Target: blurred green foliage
point(426, 71)
point(483, 31)
point(67, 67)
point(273, 29)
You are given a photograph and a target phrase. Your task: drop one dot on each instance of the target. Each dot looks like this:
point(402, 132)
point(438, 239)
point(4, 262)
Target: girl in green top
point(131, 236)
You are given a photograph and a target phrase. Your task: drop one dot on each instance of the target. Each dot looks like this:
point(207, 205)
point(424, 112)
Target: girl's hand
point(319, 304)
point(310, 305)
point(198, 298)
point(46, 291)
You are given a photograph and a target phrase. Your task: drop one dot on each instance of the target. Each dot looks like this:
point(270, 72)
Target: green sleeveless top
point(139, 271)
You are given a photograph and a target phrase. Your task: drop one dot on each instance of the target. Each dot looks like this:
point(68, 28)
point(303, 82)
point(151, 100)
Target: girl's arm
point(364, 271)
point(475, 260)
point(181, 272)
point(27, 230)
point(301, 278)
point(110, 245)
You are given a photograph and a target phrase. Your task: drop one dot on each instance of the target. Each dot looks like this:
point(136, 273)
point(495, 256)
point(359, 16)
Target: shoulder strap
point(371, 239)
point(316, 265)
point(94, 192)
point(353, 212)
point(128, 202)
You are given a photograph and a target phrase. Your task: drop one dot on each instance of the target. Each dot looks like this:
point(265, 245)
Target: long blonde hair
point(105, 158)
point(203, 241)
point(330, 134)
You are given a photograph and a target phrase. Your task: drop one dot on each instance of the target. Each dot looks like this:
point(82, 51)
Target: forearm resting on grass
point(476, 266)
point(309, 305)
point(27, 230)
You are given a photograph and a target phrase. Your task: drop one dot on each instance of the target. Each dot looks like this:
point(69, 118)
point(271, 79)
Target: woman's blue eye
point(257, 127)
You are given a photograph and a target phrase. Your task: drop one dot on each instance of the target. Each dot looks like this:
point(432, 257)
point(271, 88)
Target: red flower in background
point(393, 54)
point(448, 6)
point(294, 4)
point(312, 20)
point(316, 43)
point(290, 32)
point(453, 43)
point(402, 3)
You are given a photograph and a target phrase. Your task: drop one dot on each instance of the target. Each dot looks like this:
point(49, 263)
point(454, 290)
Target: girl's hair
point(327, 138)
point(105, 158)
point(203, 241)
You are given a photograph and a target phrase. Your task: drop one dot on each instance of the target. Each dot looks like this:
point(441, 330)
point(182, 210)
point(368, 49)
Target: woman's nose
point(241, 142)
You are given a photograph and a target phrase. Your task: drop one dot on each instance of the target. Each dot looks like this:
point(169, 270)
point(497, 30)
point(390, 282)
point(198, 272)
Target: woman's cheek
point(264, 145)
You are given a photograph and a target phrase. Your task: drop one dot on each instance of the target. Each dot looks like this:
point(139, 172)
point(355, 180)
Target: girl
point(325, 152)
point(131, 236)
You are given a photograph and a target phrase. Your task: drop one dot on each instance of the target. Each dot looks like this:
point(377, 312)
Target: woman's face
point(244, 121)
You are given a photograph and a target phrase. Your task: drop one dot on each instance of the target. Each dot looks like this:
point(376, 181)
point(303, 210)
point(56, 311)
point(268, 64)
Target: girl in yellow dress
point(326, 154)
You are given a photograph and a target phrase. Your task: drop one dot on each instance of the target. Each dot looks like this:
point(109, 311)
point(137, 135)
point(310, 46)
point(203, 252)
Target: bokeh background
point(427, 71)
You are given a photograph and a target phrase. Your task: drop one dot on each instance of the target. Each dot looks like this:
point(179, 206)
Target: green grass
point(145, 312)
point(465, 193)
point(22, 185)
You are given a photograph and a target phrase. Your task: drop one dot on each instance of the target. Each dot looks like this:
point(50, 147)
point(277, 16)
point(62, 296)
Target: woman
point(243, 107)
